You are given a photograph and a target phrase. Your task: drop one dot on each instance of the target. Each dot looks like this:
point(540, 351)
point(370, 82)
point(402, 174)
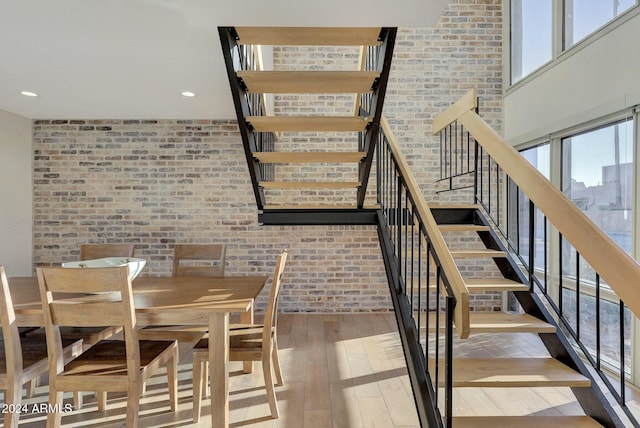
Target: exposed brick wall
point(156, 183)
point(160, 182)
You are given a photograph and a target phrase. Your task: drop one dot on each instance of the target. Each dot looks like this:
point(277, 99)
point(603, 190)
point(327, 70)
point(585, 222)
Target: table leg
point(218, 368)
point(247, 318)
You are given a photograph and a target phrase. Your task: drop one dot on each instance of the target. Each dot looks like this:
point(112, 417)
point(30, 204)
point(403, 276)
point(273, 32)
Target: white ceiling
point(130, 59)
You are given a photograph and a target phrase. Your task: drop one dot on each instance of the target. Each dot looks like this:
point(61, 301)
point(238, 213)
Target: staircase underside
point(317, 169)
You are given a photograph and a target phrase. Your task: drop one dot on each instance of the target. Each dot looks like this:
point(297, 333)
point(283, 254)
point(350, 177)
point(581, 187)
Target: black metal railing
point(457, 157)
point(588, 311)
point(423, 298)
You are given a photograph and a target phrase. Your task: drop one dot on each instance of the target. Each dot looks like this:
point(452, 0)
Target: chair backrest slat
point(99, 251)
point(199, 260)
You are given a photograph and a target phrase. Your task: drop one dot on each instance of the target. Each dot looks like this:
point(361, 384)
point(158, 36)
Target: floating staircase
point(561, 368)
point(297, 163)
point(285, 191)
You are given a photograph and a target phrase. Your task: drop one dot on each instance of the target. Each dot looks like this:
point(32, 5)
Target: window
point(541, 30)
point(531, 36)
point(583, 17)
point(597, 175)
point(518, 225)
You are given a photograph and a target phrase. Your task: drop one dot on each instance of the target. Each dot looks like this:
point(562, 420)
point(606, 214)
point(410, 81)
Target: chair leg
point(197, 386)
point(276, 364)
point(101, 397)
point(247, 318)
point(54, 419)
point(12, 395)
point(78, 401)
point(133, 404)
point(172, 380)
point(268, 381)
point(205, 378)
point(31, 386)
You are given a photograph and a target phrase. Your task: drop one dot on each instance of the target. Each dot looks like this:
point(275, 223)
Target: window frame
point(559, 52)
point(555, 176)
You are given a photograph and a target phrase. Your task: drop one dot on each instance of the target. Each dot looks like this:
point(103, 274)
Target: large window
point(541, 30)
point(583, 17)
point(531, 36)
point(595, 168)
point(597, 175)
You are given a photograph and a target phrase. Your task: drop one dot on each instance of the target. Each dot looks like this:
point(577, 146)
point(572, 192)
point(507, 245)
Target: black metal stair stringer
point(228, 39)
point(380, 87)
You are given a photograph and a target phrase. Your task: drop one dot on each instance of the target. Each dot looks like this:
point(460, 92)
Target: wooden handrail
point(619, 270)
point(448, 266)
point(469, 101)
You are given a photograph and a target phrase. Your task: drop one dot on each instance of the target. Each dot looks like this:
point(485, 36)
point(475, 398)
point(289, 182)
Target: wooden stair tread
point(477, 285)
point(309, 157)
point(512, 373)
point(497, 322)
point(463, 228)
point(309, 184)
point(494, 284)
point(454, 206)
point(527, 421)
point(477, 253)
point(308, 36)
point(307, 123)
point(308, 82)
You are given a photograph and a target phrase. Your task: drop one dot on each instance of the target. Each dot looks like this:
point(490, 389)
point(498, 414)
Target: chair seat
point(89, 335)
point(109, 357)
point(34, 351)
point(241, 338)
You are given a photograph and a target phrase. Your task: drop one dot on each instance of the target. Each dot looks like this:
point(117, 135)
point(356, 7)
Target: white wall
point(16, 195)
point(600, 79)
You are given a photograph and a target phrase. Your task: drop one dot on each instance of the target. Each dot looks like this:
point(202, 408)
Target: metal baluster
point(598, 343)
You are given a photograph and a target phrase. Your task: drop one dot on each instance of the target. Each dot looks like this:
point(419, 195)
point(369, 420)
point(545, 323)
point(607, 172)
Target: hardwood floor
point(340, 370)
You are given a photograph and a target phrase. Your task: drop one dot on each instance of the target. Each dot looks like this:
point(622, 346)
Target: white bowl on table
point(135, 265)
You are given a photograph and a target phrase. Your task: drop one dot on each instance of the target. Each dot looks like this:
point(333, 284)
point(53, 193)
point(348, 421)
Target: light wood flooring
point(340, 371)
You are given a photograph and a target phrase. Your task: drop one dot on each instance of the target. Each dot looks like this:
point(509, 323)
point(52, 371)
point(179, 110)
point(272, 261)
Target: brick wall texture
point(160, 182)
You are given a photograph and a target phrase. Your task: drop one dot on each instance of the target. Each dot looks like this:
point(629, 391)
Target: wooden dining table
point(173, 301)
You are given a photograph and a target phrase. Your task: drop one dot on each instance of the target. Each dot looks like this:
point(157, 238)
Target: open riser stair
point(311, 163)
point(562, 367)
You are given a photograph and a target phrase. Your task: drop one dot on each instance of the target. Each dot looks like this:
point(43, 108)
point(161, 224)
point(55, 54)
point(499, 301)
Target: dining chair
point(92, 335)
point(22, 359)
point(110, 365)
point(199, 260)
point(190, 260)
point(251, 342)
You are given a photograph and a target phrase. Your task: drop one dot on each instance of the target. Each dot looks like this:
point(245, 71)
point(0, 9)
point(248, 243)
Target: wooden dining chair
point(22, 359)
point(251, 342)
point(199, 260)
point(92, 335)
point(190, 260)
point(109, 365)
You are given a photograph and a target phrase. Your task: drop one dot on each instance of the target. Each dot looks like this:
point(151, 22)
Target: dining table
point(173, 301)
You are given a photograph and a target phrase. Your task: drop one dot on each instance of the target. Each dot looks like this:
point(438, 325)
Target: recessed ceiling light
point(29, 94)
point(188, 94)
